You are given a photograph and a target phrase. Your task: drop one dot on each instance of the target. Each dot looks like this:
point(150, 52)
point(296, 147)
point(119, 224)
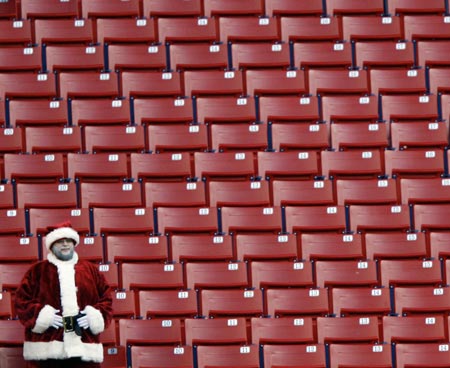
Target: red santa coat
point(71, 287)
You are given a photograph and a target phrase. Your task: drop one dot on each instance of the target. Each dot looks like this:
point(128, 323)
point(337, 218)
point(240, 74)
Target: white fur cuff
point(95, 318)
point(44, 319)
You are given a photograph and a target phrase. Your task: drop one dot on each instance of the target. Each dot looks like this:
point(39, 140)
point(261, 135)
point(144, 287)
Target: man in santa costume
point(64, 304)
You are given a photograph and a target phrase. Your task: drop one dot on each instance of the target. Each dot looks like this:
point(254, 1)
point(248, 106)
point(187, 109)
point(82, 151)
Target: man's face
point(63, 249)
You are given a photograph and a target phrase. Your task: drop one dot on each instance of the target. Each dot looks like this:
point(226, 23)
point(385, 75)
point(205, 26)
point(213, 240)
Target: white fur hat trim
point(61, 233)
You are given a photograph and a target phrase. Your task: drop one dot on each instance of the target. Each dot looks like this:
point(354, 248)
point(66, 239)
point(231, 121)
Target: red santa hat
point(61, 231)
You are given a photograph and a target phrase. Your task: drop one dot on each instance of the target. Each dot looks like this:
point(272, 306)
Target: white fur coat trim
point(58, 350)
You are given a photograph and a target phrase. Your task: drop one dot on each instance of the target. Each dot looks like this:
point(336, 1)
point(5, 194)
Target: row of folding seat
point(211, 352)
point(249, 55)
point(115, 247)
point(67, 166)
point(153, 109)
point(222, 29)
point(158, 8)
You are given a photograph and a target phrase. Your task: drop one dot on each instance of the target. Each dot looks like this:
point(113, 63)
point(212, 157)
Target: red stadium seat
point(53, 139)
point(431, 217)
point(363, 301)
point(414, 329)
point(397, 81)
point(15, 32)
point(366, 191)
point(125, 30)
point(164, 166)
point(21, 59)
point(255, 247)
point(36, 167)
point(292, 330)
point(213, 82)
point(403, 7)
point(273, 273)
point(260, 55)
point(410, 272)
point(369, 27)
point(188, 56)
point(352, 329)
point(226, 109)
point(123, 303)
point(380, 217)
point(308, 138)
point(163, 110)
point(414, 163)
point(302, 192)
point(409, 107)
point(325, 54)
point(245, 219)
point(421, 300)
point(150, 332)
point(144, 249)
point(425, 27)
point(354, 7)
point(176, 357)
point(192, 248)
point(408, 353)
point(136, 56)
point(91, 248)
point(372, 54)
point(224, 166)
point(74, 58)
point(177, 138)
point(111, 273)
point(412, 135)
point(82, 84)
point(228, 303)
point(123, 221)
point(260, 82)
point(216, 331)
point(187, 220)
point(325, 82)
point(37, 112)
point(41, 217)
point(25, 84)
point(7, 196)
point(114, 139)
point(300, 219)
point(297, 302)
point(63, 31)
point(298, 355)
point(148, 83)
point(359, 136)
point(98, 167)
point(238, 193)
point(110, 195)
point(106, 8)
point(289, 109)
point(350, 273)
point(233, 7)
point(6, 308)
point(19, 249)
point(31, 9)
point(151, 275)
point(11, 275)
point(353, 355)
point(287, 165)
point(99, 111)
point(439, 244)
point(114, 356)
point(12, 332)
point(340, 109)
point(168, 304)
point(236, 29)
point(187, 29)
point(224, 275)
point(9, 10)
point(424, 190)
point(11, 141)
point(238, 137)
point(178, 8)
point(431, 53)
point(392, 244)
point(293, 7)
point(316, 246)
point(310, 29)
point(174, 194)
point(46, 195)
point(235, 356)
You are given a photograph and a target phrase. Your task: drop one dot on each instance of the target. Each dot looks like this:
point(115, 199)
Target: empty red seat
point(414, 163)
point(361, 301)
point(239, 137)
point(179, 8)
point(149, 83)
point(269, 81)
point(28, 85)
point(403, 7)
point(53, 139)
point(410, 272)
point(163, 110)
point(21, 59)
point(409, 107)
point(352, 164)
point(346, 273)
point(125, 30)
point(308, 138)
point(301, 219)
point(12, 332)
point(150, 332)
point(339, 109)
point(110, 195)
point(136, 56)
point(287, 165)
point(177, 357)
point(260, 55)
point(105, 8)
point(419, 135)
point(226, 303)
point(213, 82)
point(7, 196)
point(37, 112)
point(11, 275)
point(123, 303)
point(298, 355)
point(168, 304)
point(367, 27)
point(254, 247)
point(74, 58)
point(177, 138)
point(302, 192)
point(384, 53)
point(100, 111)
point(63, 31)
point(345, 7)
point(273, 273)
point(216, 331)
point(247, 29)
point(414, 329)
point(49, 9)
point(174, 194)
point(397, 81)
point(424, 190)
point(114, 138)
point(366, 191)
point(379, 217)
point(244, 219)
point(82, 84)
point(151, 275)
point(411, 353)
point(123, 220)
point(12, 357)
point(309, 29)
point(234, 7)
point(326, 82)
point(289, 109)
point(316, 246)
point(352, 329)
point(235, 356)
point(187, 29)
point(19, 249)
point(36, 167)
point(187, 220)
point(293, 7)
point(226, 109)
point(421, 300)
point(431, 217)
point(188, 56)
point(359, 136)
point(326, 54)
point(145, 248)
point(46, 195)
point(353, 355)
point(439, 245)
point(238, 193)
point(393, 244)
point(225, 275)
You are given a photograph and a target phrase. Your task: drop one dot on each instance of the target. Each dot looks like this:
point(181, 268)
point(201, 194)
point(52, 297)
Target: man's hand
point(57, 321)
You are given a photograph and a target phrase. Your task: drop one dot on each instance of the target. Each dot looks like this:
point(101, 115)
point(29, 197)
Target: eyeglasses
point(64, 241)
